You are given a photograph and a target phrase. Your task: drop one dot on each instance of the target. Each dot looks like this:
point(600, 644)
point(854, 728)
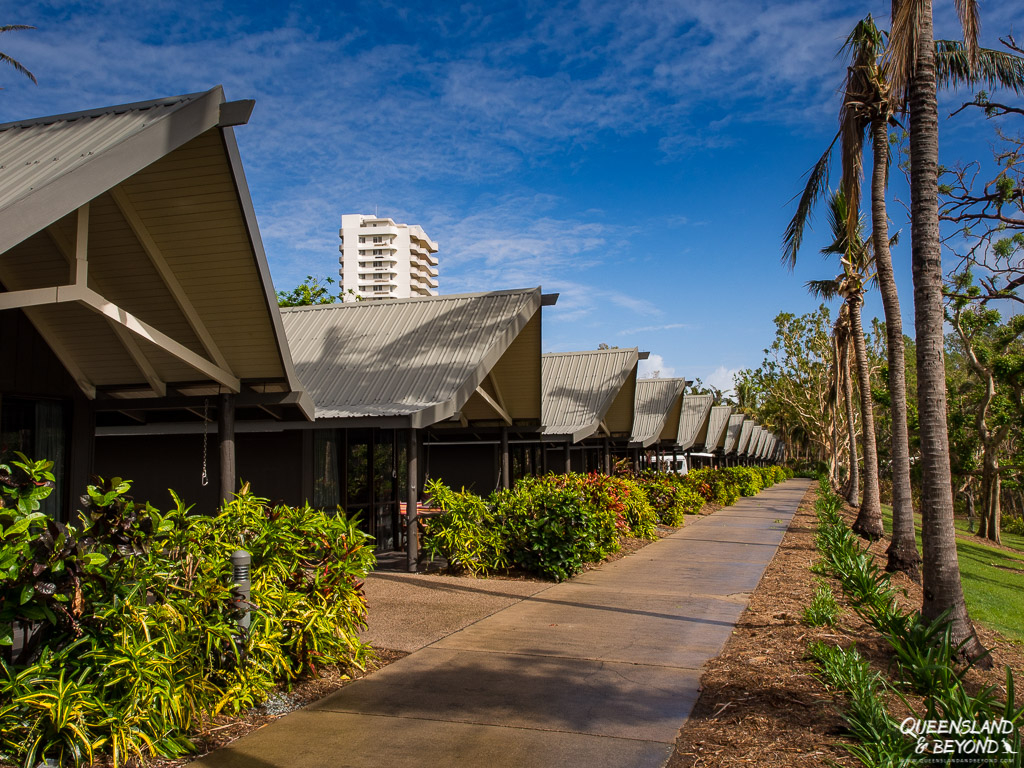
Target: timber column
point(226, 440)
point(506, 480)
point(412, 543)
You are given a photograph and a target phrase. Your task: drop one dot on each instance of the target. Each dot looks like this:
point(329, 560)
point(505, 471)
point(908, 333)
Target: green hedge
point(138, 640)
point(552, 525)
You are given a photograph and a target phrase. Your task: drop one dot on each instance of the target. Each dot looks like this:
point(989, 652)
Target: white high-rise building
point(381, 259)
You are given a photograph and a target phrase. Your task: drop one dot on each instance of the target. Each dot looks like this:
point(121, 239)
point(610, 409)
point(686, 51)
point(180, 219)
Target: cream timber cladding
point(656, 400)
point(127, 237)
point(588, 393)
point(718, 421)
point(732, 433)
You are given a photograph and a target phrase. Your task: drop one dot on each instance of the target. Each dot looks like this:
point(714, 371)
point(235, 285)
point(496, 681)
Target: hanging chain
point(206, 424)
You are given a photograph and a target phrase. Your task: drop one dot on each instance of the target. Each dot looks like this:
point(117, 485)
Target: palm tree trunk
point(853, 484)
point(869, 520)
point(902, 552)
point(943, 592)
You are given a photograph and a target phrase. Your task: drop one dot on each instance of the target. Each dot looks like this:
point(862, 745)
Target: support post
point(568, 458)
point(226, 439)
point(607, 457)
point(412, 543)
point(506, 469)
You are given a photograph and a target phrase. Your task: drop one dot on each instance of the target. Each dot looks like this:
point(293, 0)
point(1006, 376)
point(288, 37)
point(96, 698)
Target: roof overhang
point(129, 240)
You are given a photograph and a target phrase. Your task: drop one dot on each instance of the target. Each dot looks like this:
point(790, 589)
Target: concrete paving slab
point(563, 694)
point(674, 637)
point(323, 739)
point(409, 610)
point(599, 671)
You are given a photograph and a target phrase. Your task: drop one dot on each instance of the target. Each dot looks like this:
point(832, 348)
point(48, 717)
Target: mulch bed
point(760, 703)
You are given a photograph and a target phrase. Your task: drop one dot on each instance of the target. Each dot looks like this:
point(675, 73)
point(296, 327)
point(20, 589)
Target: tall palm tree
point(857, 262)
point(868, 105)
point(18, 66)
point(910, 65)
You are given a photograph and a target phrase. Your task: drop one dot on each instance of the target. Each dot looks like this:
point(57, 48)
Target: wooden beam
point(497, 391)
point(75, 254)
point(602, 427)
point(99, 304)
point(495, 405)
point(149, 245)
point(31, 297)
point(80, 276)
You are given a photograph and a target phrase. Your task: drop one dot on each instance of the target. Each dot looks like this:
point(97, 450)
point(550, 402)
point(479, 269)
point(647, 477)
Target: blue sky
point(637, 157)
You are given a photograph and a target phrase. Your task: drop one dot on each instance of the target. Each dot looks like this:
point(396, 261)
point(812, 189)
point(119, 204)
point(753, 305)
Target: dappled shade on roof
point(419, 360)
point(732, 432)
point(580, 389)
point(693, 420)
point(654, 400)
point(718, 421)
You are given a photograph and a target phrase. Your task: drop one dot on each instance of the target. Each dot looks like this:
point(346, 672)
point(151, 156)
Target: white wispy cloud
point(655, 364)
point(654, 328)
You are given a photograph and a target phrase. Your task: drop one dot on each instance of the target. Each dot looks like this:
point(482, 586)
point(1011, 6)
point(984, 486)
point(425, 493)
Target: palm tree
point(910, 65)
point(18, 66)
point(841, 380)
point(857, 262)
point(868, 105)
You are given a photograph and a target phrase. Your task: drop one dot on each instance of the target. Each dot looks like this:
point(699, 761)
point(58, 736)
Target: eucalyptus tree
point(18, 66)
point(995, 355)
point(858, 269)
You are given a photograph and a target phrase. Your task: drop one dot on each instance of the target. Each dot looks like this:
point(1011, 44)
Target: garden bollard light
point(240, 563)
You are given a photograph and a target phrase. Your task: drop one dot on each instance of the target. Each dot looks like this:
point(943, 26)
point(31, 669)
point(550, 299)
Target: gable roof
point(717, 423)
point(744, 438)
point(579, 389)
point(693, 420)
point(654, 400)
point(732, 432)
point(416, 360)
point(128, 238)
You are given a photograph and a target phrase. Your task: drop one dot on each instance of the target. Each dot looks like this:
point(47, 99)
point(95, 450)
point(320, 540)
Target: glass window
point(326, 491)
point(38, 429)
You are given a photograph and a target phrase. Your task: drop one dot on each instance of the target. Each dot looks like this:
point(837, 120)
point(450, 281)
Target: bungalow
point(134, 289)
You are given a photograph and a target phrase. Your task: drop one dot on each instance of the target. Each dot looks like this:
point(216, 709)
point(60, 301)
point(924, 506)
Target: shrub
point(671, 496)
point(467, 534)
point(137, 637)
point(1012, 524)
point(555, 524)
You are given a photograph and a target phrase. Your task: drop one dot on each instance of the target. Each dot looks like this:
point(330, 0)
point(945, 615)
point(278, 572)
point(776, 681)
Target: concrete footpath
point(599, 671)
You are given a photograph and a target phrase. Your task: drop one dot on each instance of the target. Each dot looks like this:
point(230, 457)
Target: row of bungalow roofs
point(142, 339)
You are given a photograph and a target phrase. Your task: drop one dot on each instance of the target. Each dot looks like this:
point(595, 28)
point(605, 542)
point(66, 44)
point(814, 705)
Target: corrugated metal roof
point(419, 358)
point(654, 399)
point(693, 420)
point(172, 240)
point(579, 388)
point(755, 439)
point(34, 153)
point(732, 432)
point(717, 423)
point(744, 440)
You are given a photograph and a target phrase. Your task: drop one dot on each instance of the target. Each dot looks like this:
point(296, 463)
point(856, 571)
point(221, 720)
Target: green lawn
point(993, 579)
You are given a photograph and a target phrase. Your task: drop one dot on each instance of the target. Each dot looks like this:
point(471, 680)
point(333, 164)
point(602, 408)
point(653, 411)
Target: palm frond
point(823, 289)
point(995, 69)
point(900, 56)
point(18, 66)
point(970, 22)
point(817, 184)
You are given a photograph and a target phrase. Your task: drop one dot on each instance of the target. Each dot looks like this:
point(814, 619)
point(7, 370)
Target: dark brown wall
point(469, 466)
point(30, 369)
point(272, 463)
